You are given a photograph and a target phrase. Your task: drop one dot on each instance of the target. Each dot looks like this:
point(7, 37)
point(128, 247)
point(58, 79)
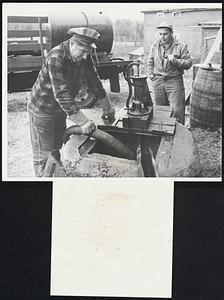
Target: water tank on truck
point(25, 58)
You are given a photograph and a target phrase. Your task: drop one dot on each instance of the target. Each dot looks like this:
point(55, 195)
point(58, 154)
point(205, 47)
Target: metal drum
point(61, 23)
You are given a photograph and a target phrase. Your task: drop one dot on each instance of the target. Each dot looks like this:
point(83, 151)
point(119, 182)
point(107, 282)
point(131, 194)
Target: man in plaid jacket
point(52, 96)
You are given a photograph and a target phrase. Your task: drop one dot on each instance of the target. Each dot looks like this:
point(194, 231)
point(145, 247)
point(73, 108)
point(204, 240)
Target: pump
point(140, 110)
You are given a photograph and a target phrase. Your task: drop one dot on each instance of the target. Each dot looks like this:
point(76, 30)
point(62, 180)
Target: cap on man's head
point(85, 36)
point(165, 25)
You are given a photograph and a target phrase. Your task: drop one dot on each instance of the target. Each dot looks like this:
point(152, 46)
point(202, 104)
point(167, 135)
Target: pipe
point(103, 137)
point(128, 79)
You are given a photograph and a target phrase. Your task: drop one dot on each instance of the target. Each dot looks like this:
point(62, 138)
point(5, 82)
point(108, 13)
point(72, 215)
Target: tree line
point(128, 31)
point(124, 30)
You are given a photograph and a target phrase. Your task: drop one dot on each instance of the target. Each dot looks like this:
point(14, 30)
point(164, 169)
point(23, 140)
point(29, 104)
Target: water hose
point(105, 138)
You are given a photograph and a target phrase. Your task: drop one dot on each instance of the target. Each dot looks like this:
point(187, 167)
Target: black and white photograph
point(112, 90)
point(111, 151)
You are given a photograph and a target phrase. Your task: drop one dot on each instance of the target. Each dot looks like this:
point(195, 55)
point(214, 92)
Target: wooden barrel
point(206, 99)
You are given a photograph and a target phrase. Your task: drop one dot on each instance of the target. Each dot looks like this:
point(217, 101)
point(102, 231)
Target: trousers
point(170, 91)
point(46, 133)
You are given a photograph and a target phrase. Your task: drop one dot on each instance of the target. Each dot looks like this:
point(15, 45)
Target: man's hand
point(88, 127)
point(152, 76)
point(170, 57)
point(108, 114)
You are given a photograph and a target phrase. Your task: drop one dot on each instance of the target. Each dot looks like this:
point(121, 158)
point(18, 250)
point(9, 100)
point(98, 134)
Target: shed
point(209, 32)
point(185, 22)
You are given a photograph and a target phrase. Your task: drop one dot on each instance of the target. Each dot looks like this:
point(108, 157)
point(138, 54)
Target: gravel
point(209, 144)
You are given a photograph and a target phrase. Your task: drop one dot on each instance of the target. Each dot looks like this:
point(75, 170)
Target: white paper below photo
point(112, 238)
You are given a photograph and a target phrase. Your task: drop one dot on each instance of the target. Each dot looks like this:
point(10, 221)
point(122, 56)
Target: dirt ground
point(19, 147)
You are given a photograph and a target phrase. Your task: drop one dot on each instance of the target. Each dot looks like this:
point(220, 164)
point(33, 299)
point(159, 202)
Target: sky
point(113, 10)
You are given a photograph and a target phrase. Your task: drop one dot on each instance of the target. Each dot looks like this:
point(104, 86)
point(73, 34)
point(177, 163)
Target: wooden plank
point(41, 39)
point(28, 62)
point(163, 119)
point(147, 160)
point(26, 19)
point(26, 33)
point(161, 129)
point(187, 100)
point(162, 116)
point(214, 47)
point(86, 146)
point(139, 159)
point(161, 123)
point(184, 160)
point(76, 145)
point(153, 130)
point(163, 155)
point(27, 47)
point(23, 42)
point(168, 109)
point(53, 168)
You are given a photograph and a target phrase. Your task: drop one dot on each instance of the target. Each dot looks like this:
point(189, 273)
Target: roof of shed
point(211, 23)
point(152, 11)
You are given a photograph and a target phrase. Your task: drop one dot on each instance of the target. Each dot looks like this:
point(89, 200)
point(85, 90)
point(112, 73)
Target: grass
point(17, 102)
point(121, 49)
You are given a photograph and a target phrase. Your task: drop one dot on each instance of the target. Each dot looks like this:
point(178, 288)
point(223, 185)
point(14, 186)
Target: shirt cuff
point(78, 118)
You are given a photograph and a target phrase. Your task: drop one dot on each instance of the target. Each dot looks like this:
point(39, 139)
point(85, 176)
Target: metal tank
point(25, 59)
point(61, 23)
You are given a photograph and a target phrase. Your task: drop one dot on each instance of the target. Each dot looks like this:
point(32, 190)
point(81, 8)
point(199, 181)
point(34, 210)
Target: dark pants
point(170, 92)
point(46, 132)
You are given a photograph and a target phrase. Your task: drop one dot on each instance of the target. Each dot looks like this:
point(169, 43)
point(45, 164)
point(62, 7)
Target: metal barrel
point(60, 23)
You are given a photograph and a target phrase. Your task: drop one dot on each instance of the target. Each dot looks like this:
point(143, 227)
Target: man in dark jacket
point(52, 96)
point(167, 60)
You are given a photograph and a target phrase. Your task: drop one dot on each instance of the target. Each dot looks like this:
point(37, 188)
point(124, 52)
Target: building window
point(160, 14)
point(176, 14)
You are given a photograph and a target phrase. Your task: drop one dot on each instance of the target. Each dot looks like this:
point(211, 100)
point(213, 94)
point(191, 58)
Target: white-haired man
point(167, 60)
point(52, 96)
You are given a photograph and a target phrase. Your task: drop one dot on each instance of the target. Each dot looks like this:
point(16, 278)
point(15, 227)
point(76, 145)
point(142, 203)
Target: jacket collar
point(65, 49)
point(173, 42)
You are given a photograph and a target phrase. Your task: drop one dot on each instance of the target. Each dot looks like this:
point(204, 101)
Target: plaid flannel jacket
point(59, 80)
